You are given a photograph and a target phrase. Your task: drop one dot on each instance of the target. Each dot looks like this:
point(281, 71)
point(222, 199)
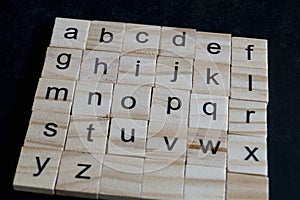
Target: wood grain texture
point(131, 102)
point(127, 137)
point(174, 73)
point(79, 174)
point(59, 98)
point(243, 186)
point(110, 44)
point(143, 39)
point(61, 63)
point(100, 66)
point(92, 99)
point(241, 111)
point(87, 134)
point(65, 25)
point(121, 177)
point(30, 177)
point(47, 130)
point(213, 47)
point(177, 42)
point(247, 155)
point(137, 69)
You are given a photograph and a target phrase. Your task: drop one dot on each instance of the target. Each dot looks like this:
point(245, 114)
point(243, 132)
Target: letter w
point(209, 146)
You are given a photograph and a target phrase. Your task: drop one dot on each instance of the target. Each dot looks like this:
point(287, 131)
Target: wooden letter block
point(243, 186)
point(131, 102)
point(174, 73)
point(177, 42)
point(121, 177)
point(207, 147)
point(127, 137)
point(54, 95)
point(205, 183)
point(87, 134)
point(142, 39)
point(137, 69)
point(92, 99)
point(247, 118)
point(163, 179)
point(106, 36)
point(211, 78)
point(37, 170)
point(62, 63)
point(70, 33)
point(79, 174)
point(100, 66)
point(209, 112)
point(247, 154)
point(47, 130)
point(213, 48)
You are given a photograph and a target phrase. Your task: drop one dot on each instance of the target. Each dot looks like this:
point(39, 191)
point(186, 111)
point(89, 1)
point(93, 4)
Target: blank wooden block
point(249, 84)
point(106, 36)
point(213, 47)
point(142, 39)
point(70, 33)
point(131, 102)
point(163, 179)
point(174, 73)
point(87, 134)
point(37, 170)
point(100, 66)
point(204, 183)
point(92, 99)
point(62, 63)
point(79, 174)
point(121, 177)
point(137, 69)
point(54, 95)
point(243, 186)
point(249, 52)
point(127, 137)
point(177, 42)
point(208, 112)
point(247, 118)
point(207, 147)
point(247, 154)
point(47, 130)
point(211, 78)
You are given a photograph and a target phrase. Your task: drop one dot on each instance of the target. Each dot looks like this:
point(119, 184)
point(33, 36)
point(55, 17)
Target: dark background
point(25, 33)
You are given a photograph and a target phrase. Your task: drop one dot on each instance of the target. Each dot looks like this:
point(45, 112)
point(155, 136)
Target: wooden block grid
point(150, 114)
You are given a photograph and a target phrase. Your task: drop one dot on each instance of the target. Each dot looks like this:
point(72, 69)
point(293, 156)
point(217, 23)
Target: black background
point(25, 33)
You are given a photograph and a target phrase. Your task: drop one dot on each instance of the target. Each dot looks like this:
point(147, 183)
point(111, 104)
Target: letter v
point(168, 144)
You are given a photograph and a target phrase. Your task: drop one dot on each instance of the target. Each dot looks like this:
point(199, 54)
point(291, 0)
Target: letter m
point(210, 146)
point(57, 91)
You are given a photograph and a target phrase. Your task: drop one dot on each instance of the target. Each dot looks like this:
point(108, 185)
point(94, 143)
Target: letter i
point(137, 69)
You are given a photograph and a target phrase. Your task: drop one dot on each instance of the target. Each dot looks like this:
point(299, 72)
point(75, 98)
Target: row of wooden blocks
point(135, 111)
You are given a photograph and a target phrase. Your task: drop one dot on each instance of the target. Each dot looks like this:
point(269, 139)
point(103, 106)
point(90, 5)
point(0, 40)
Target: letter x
point(251, 153)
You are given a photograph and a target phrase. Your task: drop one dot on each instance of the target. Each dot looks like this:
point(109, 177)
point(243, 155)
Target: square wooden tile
point(208, 112)
point(131, 102)
point(177, 42)
point(70, 33)
point(92, 99)
point(37, 170)
point(174, 73)
point(121, 177)
point(243, 186)
point(47, 130)
point(54, 95)
point(247, 155)
point(143, 39)
point(137, 69)
point(100, 66)
point(79, 174)
point(247, 118)
point(61, 63)
point(87, 134)
point(105, 36)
